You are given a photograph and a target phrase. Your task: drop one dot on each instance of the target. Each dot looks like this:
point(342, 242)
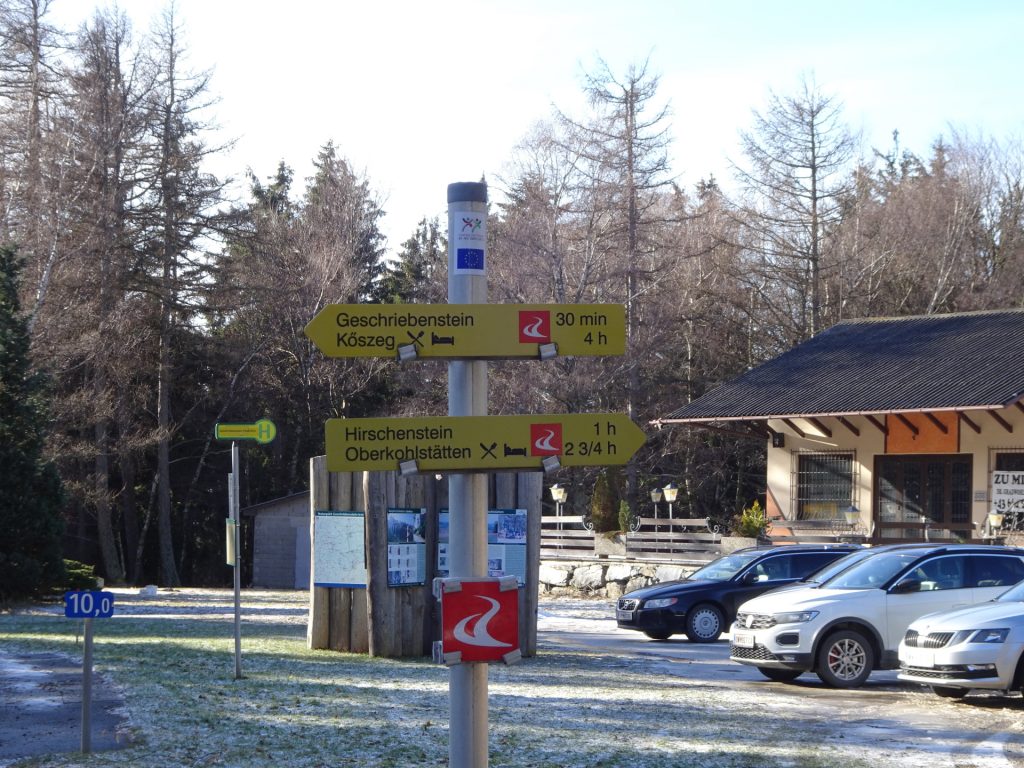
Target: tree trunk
point(168, 569)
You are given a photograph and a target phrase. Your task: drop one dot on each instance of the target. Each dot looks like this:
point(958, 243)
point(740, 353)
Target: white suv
point(853, 623)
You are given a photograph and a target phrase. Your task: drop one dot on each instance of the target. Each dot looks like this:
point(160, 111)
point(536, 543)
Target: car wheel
point(658, 634)
point(845, 659)
point(949, 693)
point(1018, 676)
point(780, 675)
point(704, 623)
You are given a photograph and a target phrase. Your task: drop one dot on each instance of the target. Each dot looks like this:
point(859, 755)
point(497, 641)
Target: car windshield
point(1014, 594)
point(873, 572)
point(725, 567)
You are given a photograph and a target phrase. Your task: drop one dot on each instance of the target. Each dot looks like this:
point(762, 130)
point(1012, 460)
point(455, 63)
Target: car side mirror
point(906, 587)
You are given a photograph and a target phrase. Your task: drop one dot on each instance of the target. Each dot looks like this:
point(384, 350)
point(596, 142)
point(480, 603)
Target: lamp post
point(852, 515)
point(655, 497)
point(671, 491)
point(559, 494)
point(995, 522)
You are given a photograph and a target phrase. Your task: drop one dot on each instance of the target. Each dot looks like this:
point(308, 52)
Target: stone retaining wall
point(567, 578)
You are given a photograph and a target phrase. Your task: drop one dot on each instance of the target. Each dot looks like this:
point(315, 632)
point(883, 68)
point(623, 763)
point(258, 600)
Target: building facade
point(914, 426)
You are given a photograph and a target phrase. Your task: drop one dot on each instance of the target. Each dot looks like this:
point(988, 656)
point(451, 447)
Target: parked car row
point(947, 615)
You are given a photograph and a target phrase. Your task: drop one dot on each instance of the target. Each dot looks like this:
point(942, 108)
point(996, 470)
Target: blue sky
point(420, 94)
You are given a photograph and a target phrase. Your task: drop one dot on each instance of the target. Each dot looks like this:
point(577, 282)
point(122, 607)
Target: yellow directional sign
point(262, 431)
point(491, 331)
point(481, 443)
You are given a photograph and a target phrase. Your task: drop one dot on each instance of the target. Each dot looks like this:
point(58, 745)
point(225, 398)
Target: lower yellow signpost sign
point(481, 443)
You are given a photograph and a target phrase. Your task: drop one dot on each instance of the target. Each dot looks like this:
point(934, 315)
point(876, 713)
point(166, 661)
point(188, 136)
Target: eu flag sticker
point(469, 260)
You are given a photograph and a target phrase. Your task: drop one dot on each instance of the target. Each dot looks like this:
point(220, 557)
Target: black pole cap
point(467, 192)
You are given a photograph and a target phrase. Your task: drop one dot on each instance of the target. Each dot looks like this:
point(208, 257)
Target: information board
point(339, 549)
point(506, 543)
point(407, 548)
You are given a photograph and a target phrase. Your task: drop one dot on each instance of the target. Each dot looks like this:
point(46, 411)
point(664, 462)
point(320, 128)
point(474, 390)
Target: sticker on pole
point(469, 243)
point(88, 604)
point(480, 620)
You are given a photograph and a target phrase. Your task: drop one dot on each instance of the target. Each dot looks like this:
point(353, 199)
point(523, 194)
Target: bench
point(566, 537)
point(815, 531)
point(676, 539)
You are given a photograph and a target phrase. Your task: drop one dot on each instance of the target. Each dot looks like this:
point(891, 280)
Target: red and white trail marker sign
point(479, 620)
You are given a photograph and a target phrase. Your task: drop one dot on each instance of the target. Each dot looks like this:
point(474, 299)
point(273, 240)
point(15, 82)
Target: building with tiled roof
point(916, 422)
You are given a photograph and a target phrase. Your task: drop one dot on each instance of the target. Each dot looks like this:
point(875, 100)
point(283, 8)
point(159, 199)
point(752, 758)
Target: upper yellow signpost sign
point(491, 331)
point(481, 443)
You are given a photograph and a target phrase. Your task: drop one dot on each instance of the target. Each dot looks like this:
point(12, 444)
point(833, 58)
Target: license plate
point(919, 657)
point(743, 639)
point(621, 615)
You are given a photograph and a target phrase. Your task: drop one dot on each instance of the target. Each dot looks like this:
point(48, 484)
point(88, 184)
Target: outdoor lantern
point(558, 493)
point(995, 520)
point(655, 495)
point(671, 491)
point(852, 515)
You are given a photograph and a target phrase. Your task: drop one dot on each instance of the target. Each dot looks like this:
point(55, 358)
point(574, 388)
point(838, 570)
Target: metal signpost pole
point(467, 396)
point(87, 688)
point(234, 512)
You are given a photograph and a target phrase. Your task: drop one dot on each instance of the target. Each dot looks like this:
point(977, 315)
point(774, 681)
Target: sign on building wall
point(1008, 497)
point(339, 549)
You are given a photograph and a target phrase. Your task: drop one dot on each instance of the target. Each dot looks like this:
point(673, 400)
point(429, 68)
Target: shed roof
point(971, 360)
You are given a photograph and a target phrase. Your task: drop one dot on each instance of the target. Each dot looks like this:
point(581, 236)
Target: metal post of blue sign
point(87, 688)
point(87, 605)
point(467, 531)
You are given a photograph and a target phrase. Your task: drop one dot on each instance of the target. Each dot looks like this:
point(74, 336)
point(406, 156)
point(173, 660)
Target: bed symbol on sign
point(534, 326)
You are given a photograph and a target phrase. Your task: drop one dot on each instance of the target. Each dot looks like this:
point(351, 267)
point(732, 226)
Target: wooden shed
point(280, 542)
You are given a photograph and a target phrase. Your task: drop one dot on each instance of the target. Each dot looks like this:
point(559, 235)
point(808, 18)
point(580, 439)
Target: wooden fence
point(405, 621)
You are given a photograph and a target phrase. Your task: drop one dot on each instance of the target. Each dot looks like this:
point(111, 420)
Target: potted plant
point(748, 529)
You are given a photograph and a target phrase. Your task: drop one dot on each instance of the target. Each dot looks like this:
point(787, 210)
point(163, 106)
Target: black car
point(703, 605)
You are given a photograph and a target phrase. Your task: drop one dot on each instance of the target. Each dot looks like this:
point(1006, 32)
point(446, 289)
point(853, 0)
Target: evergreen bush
point(604, 512)
point(30, 489)
point(751, 522)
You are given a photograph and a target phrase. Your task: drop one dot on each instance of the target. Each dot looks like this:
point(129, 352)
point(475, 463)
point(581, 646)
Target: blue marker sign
point(469, 260)
point(88, 604)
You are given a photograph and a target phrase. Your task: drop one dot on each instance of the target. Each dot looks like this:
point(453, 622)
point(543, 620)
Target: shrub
point(624, 516)
point(603, 509)
point(752, 522)
point(79, 575)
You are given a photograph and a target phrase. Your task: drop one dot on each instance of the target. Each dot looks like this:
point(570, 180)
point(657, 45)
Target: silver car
point(977, 647)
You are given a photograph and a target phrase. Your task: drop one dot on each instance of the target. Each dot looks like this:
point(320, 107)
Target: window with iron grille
point(823, 485)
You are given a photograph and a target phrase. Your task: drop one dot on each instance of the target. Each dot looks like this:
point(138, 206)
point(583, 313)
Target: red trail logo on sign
point(546, 439)
point(480, 619)
point(534, 326)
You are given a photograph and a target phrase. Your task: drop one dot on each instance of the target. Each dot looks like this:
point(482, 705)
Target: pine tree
point(30, 489)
